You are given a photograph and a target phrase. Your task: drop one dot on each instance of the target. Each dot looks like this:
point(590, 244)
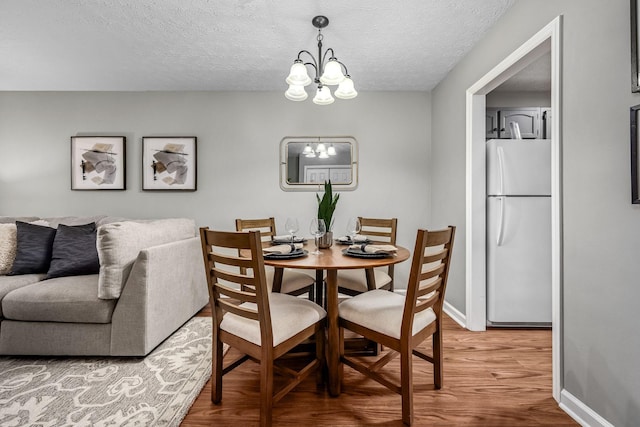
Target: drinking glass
point(353, 228)
point(292, 228)
point(318, 229)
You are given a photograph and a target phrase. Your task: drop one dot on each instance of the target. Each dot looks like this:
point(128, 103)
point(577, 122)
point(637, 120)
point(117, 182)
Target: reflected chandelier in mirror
point(306, 162)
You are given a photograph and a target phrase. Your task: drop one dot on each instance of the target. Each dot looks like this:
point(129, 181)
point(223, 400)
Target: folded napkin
point(375, 249)
point(281, 249)
point(357, 238)
point(283, 237)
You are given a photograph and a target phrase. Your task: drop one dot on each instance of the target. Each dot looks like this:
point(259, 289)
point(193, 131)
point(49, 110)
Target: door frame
point(548, 39)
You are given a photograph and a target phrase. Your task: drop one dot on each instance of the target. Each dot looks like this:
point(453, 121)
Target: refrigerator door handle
point(500, 152)
point(500, 222)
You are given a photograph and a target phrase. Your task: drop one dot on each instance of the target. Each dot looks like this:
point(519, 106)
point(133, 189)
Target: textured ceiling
point(231, 45)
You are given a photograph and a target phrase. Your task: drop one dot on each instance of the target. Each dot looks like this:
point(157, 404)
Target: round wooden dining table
point(331, 260)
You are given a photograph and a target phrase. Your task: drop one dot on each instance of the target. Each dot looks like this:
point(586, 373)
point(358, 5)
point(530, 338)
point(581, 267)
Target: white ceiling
point(232, 45)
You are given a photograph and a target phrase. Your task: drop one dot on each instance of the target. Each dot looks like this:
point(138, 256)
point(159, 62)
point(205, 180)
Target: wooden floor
point(494, 378)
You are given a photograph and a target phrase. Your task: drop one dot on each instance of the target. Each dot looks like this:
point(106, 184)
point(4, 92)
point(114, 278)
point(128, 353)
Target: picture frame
point(635, 44)
point(169, 163)
point(635, 155)
point(98, 163)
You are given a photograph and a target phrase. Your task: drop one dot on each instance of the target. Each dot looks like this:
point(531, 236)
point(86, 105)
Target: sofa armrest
point(166, 287)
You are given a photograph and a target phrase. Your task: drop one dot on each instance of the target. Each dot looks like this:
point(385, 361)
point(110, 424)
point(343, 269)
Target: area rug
point(156, 390)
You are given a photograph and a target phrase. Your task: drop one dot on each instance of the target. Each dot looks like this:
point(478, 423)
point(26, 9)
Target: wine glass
point(292, 228)
point(353, 228)
point(318, 229)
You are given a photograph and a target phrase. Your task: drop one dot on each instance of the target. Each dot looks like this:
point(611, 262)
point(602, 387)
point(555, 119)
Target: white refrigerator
point(518, 232)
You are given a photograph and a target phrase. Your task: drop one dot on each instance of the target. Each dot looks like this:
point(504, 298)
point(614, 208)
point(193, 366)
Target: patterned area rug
point(153, 391)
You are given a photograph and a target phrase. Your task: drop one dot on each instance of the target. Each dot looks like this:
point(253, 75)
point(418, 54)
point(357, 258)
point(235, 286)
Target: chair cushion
point(120, 242)
point(356, 280)
point(289, 315)
point(71, 299)
point(291, 280)
point(381, 311)
point(10, 283)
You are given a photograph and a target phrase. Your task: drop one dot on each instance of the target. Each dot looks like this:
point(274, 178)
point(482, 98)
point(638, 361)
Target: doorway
point(546, 41)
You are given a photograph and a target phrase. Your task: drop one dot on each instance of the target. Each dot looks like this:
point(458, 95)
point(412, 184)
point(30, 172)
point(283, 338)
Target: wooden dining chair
point(262, 325)
point(293, 282)
point(354, 282)
point(401, 323)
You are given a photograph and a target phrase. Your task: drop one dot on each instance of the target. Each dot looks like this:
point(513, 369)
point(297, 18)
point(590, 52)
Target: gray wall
point(601, 227)
point(238, 154)
point(519, 99)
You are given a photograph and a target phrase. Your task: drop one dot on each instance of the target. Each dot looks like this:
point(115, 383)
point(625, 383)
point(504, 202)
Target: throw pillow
point(119, 244)
point(33, 248)
point(74, 251)
point(7, 247)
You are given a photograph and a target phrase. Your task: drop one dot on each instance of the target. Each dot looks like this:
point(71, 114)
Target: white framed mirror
point(306, 162)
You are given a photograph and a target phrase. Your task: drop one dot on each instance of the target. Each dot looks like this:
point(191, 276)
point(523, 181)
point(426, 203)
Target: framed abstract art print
point(98, 163)
point(169, 163)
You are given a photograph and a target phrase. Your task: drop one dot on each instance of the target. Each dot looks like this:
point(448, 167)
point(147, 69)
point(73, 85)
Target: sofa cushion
point(10, 283)
point(7, 247)
point(65, 299)
point(13, 219)
point(74, 251)
point(73, 220)
point(33, 250)
point(120, 242)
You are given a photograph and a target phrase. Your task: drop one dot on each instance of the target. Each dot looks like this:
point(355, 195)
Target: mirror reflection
point(307, 162)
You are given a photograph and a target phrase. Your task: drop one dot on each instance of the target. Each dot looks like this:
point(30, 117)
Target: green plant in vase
point(326, 207)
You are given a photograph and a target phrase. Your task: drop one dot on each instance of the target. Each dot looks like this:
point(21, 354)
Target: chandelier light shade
point(346, 89)
point(296, 93)
point(327, 72)
point(332, 74)
point(323, 96)
point(298, 74)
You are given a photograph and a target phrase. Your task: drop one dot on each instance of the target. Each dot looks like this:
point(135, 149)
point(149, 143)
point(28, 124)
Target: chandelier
point(327, 73)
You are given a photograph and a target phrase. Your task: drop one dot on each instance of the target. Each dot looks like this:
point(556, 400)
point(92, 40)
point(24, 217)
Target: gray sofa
point(151, 281)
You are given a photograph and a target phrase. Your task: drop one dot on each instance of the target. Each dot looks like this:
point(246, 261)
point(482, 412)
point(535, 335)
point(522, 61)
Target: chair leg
point(437, 358)
point(406, 378)
point(216, 371)
point(320, 356)
point(266, 392)
point(340, 364)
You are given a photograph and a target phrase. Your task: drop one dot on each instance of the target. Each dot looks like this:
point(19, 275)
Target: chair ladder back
point(384, 230)
point(421, 296)
point(266, 226)
point(376, 228)
point(223, 267)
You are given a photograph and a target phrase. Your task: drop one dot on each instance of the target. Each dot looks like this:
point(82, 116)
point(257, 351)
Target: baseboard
point(580, 412)
point(453, 312)
point(450, 310)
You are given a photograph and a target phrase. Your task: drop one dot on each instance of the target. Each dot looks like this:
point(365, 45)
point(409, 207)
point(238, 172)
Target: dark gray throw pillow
point(74, 251)
point(33, 249)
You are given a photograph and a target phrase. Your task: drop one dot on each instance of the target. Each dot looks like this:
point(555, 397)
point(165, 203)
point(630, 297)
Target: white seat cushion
point(356, 280)
point(381, 311)
point(289, 315)
point(291, 280)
